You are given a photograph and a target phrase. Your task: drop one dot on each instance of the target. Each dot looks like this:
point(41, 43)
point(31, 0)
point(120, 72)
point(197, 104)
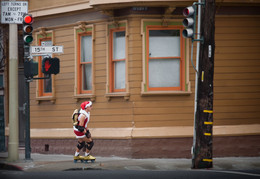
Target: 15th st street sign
point(46, 49)
point(12, 11)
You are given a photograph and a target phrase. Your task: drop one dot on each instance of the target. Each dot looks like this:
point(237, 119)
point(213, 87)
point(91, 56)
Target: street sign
point(12, 11)
point(46, 49)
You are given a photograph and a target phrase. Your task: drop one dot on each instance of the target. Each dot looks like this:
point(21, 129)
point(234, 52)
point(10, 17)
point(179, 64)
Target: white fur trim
point(89, 104)
point(80, 137)
point(83, 112)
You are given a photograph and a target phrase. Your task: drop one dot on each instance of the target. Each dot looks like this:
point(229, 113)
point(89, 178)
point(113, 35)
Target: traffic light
point(30, 68)
point(50, 65)
point(27, 29)
point(189, 22)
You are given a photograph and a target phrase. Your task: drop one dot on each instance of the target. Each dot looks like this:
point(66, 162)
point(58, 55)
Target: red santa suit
point(86, 121)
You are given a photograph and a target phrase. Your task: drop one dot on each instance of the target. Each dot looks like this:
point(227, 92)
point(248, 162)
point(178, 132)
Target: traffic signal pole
point(27, 118)
point(203, 125)
point(27, 38)
point(49, 66)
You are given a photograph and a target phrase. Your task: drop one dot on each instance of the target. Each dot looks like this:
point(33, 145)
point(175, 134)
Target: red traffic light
point(28, 19)
point(189, 22)
point(188, 11)
point(27, 29)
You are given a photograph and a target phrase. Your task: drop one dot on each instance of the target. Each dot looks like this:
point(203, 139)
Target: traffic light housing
point(189, 22)
point(50, 65)
point(27, 29)
point(30, 68)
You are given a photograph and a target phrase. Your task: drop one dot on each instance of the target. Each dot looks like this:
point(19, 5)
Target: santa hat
point(85, 104)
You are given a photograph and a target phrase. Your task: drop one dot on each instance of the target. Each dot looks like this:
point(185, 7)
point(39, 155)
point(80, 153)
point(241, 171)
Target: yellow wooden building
point(119, 55)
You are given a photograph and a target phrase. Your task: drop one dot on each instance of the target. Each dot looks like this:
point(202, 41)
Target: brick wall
point(152, 148)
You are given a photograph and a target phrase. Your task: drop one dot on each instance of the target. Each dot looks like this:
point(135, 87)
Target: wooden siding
point(236, 82)
point(237, 71)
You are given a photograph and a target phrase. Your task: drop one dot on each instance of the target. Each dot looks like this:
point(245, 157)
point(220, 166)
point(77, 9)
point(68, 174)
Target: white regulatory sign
point(12, 11)
point(46, 49)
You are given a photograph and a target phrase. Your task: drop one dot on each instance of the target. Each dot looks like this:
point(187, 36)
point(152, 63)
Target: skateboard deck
point(82, 159)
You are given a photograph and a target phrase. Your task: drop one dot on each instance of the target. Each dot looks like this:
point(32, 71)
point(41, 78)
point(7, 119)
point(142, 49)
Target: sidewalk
point(42, 162)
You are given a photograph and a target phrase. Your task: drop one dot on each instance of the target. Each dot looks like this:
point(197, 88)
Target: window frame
point(110, 91)
point(181, 57)
point(80, 65)
point(40, 95)
point(79, 31)
point(184, 88)
point(113, 61)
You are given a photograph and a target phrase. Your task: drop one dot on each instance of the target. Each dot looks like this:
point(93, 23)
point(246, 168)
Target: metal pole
point(13, 141)
point(27, 106)
point(27, 118)
point(196, 77)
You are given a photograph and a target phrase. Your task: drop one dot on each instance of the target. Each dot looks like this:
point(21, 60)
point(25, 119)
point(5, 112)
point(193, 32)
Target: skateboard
point(84, 159)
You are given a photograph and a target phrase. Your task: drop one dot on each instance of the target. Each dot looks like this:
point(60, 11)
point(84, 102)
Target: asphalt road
point(62, 166)
point(130, 174)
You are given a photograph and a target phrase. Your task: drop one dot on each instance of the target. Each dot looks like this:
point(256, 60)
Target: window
point(45, 87)
point(117, 60)
point(85, 63)
point(165, 64)
point(84, 66)
point(164, 59)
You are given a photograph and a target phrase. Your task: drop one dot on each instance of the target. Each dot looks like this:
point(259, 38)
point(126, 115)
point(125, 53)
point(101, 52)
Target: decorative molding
point(167, 13)
point(82, 25)
point(154, 93)
point(118, 94)
point(92, 97)
point(42, 31)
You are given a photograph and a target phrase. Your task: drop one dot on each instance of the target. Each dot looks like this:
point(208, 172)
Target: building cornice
point(60, 9)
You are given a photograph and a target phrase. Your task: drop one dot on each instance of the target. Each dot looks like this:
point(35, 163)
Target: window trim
point(80, 64)
point(40, 95)
point(182, 63)
point(110, 92)
point(79, 31)
point(184, 89)
point(113, 61)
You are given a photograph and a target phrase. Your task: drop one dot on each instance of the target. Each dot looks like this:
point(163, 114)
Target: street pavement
point(51, 162)
point(53, 166)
